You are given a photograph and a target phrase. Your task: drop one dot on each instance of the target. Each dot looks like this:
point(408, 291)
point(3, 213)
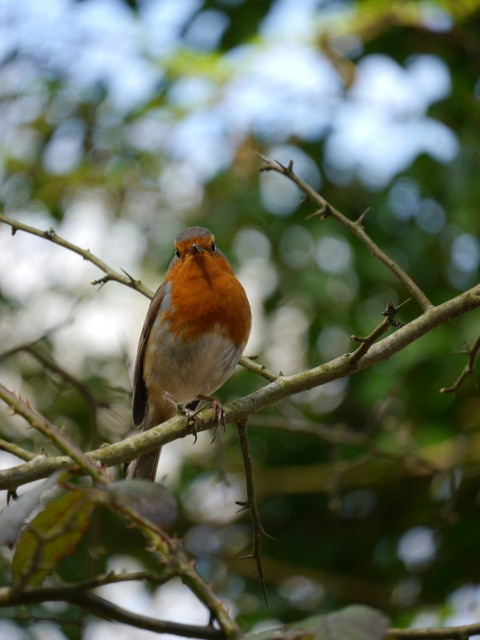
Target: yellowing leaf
point(53, 534)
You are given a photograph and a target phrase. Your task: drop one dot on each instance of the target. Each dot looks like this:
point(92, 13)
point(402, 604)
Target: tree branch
point(462, 632)
point(472, 353)
point(251, 504)
point(325, 209)
point(239, 410)
point(52, 433)
point(15, 450)
point(250, 364)
point(110, 274)
point(102, 608)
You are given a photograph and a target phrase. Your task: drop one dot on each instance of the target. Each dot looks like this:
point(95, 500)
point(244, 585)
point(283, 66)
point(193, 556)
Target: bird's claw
point(218, 417)
point(194, 420)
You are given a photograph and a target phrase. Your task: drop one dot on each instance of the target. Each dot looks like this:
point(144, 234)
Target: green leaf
point(53, 534)
point(352, 623)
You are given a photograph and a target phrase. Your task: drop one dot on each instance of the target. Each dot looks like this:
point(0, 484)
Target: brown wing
point(139, 387)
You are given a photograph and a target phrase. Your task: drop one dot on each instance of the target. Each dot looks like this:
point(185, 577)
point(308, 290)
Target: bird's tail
point(145, 467)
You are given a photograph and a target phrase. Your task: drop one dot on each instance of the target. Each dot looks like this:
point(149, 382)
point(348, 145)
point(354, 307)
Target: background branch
point(469, 370)
point(52, 433)
point(52, 236)
point(326, 209)
point(105, 609)
point(462, 632)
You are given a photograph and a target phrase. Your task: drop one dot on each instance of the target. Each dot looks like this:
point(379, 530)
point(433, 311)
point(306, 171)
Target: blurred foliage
point(387, 517)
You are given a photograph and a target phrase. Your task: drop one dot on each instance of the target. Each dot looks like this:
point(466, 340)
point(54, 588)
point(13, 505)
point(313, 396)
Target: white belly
point(187, 369)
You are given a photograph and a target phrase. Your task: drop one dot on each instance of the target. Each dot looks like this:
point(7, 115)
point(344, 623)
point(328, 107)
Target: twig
point(239, 410)
point(250, 364)
point(106, 610)
point(110, 274)
point(20, 347)
point(52, 365)
point(170, 552)
point(472, 353)
point(325, 209)
point(366, 342)
point(116, 578)
point(52, 433)
point(15, 450)
point(436, 633)
point(251, 505)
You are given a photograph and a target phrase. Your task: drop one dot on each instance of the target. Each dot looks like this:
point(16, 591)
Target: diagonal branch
point(52, 433)
point(468, 371)
point(325, 209)
point(15, 450)
point(110, 274)
point(239, 410)
point(389, 321)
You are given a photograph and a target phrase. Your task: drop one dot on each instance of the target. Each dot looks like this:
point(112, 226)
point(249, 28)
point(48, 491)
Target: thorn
point(361, 217)
point(262, 157)
point(131, 278)
point(323, 212)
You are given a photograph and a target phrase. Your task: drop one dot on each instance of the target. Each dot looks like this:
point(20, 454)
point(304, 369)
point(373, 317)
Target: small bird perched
point(195, 331)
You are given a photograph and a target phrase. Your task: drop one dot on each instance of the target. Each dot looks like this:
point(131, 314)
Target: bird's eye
point(177, 253)
point(214, 246)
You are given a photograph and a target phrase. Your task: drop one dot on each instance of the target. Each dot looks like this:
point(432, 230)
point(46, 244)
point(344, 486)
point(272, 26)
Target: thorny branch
point(52, 433)
point(66, 376)
point(472, 353)
point(325, 210)
point(389, 321)
point(462, 632)
point(251, 505)
point(51, 234)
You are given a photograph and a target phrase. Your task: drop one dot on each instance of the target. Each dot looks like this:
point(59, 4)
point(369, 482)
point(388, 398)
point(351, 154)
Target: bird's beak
point(197, 248)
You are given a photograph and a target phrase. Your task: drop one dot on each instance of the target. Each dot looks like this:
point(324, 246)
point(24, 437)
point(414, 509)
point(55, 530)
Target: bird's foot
point(218, 413)
point(194, 421)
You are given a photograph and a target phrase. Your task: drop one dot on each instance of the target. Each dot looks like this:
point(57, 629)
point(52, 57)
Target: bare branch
point(325, 210)
point(472, 353)
point(52, 433)
point(250, 364)
point(462, 632)
point(251, 505)
point(390, 321)
point(15, 450)
point(110, 274)
point(102, 608)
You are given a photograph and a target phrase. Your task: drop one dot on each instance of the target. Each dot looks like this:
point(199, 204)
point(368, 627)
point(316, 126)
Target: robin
point(195, 331)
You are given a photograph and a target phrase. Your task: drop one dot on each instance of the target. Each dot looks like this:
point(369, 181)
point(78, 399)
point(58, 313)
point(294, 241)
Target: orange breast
point(206, 297)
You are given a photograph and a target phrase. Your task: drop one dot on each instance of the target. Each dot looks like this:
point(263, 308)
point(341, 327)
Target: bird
point(194, 333)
